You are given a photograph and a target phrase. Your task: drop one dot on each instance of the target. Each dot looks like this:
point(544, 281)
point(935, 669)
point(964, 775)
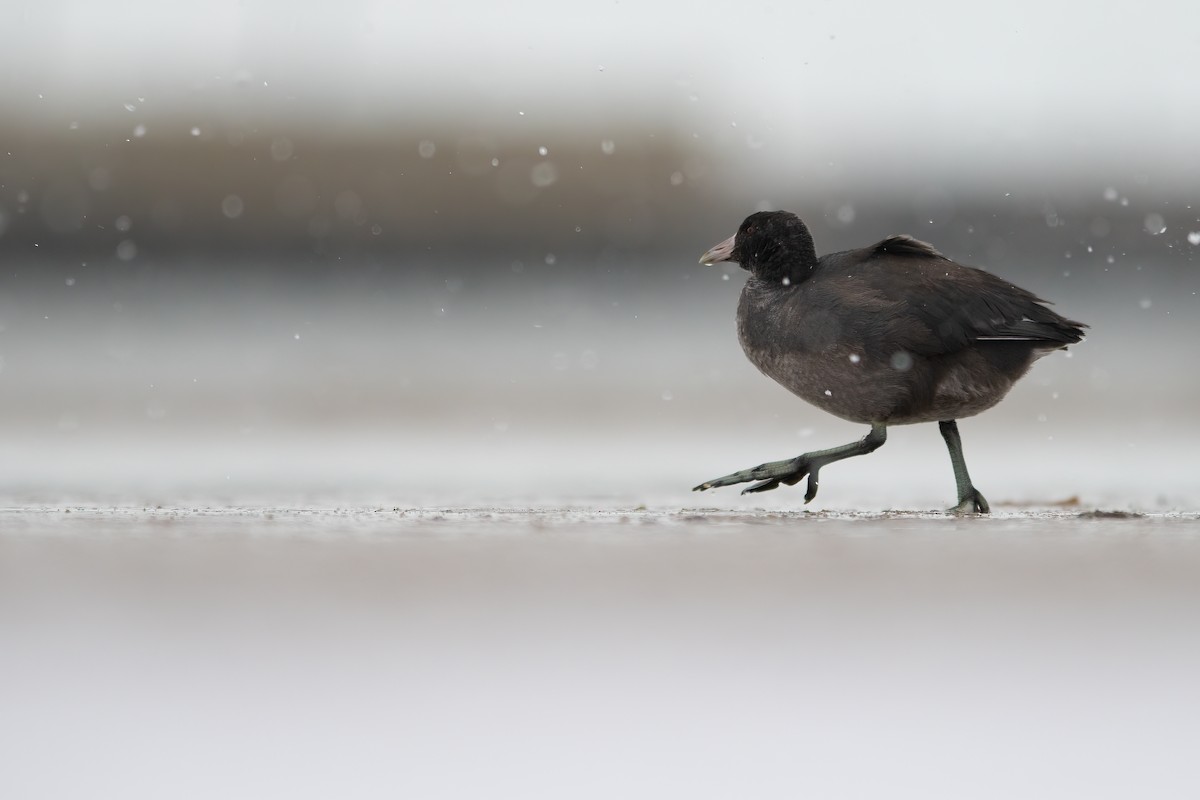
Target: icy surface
point(451, 652)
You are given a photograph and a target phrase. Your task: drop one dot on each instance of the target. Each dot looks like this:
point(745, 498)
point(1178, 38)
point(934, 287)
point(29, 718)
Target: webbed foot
point(971, 503)
point(770, 476)
point(791, 471)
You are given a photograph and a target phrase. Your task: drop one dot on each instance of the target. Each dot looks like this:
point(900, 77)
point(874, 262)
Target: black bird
point(891, 334)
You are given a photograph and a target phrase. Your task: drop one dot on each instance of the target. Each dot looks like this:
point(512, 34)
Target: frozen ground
point(377, 546)
point(460, 653)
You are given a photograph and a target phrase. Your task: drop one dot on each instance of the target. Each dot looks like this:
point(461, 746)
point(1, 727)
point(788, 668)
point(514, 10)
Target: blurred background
point(372, 252)
point(355, 367)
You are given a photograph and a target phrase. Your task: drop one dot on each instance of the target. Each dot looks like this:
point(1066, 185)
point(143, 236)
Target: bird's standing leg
point(791, 470)
point(970, 501)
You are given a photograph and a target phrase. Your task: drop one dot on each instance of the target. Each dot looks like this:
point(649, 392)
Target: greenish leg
point(970, 501)
point(791, 470)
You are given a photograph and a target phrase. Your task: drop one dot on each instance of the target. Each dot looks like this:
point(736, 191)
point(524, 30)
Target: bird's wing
point(938, 306)
point(904, 245)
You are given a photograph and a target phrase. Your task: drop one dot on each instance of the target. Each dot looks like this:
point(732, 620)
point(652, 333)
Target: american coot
point(891, 334)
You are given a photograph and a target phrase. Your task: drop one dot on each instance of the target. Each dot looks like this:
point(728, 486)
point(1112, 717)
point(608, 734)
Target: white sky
point(939, 75)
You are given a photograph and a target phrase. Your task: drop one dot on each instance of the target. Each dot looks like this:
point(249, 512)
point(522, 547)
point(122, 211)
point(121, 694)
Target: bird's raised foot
point(971, 503)
point(770, 476)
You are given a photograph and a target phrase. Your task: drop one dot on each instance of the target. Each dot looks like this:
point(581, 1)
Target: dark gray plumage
point(891, 334)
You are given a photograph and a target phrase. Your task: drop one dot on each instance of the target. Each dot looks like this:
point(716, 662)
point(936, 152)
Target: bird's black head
point(772, 245)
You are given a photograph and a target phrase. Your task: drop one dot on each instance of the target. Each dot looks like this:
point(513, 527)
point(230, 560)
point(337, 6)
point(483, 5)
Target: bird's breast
point(812, 353)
